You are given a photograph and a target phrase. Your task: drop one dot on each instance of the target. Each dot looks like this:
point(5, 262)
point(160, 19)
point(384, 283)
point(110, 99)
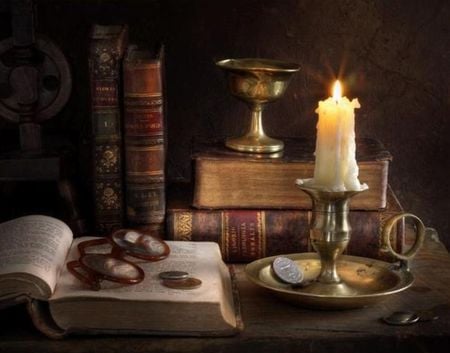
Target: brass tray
point(364, 281)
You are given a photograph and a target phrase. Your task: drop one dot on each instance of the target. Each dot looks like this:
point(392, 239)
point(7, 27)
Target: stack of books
point(249, 204)
point(246, 203)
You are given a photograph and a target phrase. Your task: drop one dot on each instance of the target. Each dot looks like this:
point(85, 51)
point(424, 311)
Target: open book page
point(201, 260)
point(150, 307)
point(32, 246)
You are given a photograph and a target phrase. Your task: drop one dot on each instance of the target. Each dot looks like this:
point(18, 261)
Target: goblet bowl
point(256, 82)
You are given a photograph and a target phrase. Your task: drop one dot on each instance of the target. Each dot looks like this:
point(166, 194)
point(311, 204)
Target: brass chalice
point(257, 82)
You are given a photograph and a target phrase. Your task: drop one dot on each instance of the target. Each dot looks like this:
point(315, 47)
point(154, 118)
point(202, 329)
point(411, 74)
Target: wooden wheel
point(52, 80)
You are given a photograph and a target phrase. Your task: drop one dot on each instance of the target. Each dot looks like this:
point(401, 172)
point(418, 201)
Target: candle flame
point(337, 91)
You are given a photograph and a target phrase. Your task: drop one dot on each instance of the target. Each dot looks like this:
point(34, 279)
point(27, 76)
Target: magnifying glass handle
point(91, 281)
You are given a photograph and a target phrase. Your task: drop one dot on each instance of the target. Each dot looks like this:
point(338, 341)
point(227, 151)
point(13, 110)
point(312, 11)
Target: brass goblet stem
point(255, 140)
point(256, 126)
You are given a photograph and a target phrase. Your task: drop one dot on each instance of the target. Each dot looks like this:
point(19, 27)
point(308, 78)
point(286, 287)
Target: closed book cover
point(144, 138)
point(107, 45)
point(247, 235)
point(229, 179)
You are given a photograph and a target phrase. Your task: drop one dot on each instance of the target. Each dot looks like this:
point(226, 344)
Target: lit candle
point(335, 167)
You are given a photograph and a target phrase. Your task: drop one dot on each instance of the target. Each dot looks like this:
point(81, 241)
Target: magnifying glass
point(92, 268)
point(140, 245)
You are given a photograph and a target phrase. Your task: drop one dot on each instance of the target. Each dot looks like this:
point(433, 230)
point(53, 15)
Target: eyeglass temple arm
point(91, 281)
point(88, 243)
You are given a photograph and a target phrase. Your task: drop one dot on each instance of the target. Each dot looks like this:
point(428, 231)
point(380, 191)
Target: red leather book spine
point(243, 235)
point(247, 235)
point(144, 139)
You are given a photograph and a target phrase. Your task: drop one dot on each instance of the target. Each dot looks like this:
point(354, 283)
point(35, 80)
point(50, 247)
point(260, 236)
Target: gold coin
point(187, 283)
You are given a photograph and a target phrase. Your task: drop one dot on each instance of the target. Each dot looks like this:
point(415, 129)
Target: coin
point(287, 270)
point(409, 317)
point(173, 275)
point(302, 284)
point(401, 318)
point(187, 283)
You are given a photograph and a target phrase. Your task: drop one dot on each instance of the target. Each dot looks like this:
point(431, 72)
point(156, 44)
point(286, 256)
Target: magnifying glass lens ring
point(111, 268)
point(141, 245)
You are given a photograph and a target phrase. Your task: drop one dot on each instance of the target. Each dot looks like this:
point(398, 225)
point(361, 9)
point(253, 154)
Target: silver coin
point(173, 275)
point(287, 270)
point(401, 318)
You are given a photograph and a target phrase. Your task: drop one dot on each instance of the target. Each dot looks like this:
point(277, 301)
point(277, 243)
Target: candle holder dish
point(333, 280)
point(257, 82)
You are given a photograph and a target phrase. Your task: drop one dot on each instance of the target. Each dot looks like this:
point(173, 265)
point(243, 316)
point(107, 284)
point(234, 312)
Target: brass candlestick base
point(330, 233)
point(257, 82)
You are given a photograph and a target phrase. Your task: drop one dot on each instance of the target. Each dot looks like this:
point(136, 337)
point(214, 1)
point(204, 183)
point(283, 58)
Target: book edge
point(39, 311)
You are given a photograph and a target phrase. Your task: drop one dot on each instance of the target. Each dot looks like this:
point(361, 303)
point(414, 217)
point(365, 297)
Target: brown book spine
point(247, 235)
point(144, 139)
point(107, 45)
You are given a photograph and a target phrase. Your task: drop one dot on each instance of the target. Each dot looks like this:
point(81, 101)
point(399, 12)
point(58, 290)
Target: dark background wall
point(394, 56)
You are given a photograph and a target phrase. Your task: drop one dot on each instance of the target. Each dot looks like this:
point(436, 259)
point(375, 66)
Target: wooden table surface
point(274, 326)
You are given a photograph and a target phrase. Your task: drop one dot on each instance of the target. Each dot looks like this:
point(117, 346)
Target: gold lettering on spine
point(233, 235)
point(224, 235)
point(242, 249)
point(183, 226)
point(261, 219)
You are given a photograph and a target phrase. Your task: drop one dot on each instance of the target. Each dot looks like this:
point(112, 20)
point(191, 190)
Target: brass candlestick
point(330, 232)
point(257, 82)
point(332, 280)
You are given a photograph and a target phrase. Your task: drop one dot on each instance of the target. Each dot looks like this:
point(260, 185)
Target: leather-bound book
point(229, 179)
point(107, 45)
point(248, 234)
point(60, 304)
point(144, 138)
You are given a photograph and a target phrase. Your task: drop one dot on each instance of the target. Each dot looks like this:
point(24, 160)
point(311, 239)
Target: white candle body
point(335, 166)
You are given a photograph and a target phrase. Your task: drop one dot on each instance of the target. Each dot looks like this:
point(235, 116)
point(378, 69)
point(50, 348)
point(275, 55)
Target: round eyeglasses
point(92, 268)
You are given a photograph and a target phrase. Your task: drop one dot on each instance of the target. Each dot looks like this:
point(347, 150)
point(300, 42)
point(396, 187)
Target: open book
point(34, 251)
